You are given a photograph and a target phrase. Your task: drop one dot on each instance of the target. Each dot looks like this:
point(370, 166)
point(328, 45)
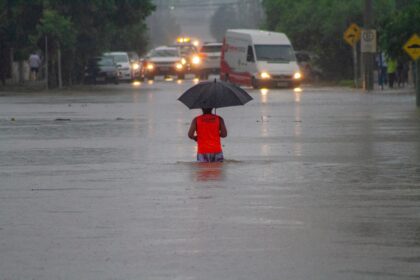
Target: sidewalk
point(407, 89)
point(27, 86)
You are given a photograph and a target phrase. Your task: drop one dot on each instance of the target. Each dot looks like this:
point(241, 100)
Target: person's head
point(206, 110)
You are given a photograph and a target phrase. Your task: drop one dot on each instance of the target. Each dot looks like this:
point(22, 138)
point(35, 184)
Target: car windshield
point(211, 49)
point(164, 53)
point(120, 58)
point(187, 50)
point(106, 61)
point(274, 53)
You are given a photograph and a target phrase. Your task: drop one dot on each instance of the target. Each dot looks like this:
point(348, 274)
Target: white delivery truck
point(259, 59)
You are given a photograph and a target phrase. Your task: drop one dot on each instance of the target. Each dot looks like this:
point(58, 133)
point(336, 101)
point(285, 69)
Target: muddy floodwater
point(100, 183)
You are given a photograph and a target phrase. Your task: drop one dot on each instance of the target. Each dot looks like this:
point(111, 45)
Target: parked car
point(123, 63)
point(101, 70)
point(210, 59)
point(164, 61)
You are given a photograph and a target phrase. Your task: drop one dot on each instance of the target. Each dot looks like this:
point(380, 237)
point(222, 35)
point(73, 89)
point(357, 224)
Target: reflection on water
point(297, 131)
point(208, 171)
point(264, 95)
point(150, 82)
point(136, 84)
point(298, 95)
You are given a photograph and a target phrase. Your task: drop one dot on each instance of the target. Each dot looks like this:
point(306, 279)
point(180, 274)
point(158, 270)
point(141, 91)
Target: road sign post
point(368, 49)
point(418, 82)
point(352, 36)
point(412, 47)
point(368, 45)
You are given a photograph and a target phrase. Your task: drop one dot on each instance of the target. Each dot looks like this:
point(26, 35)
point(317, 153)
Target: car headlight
point(297, 76)
point(196, 59)
point(179, 66)
point(265, 75)
point(150, 66)
point(183, 61)
point(136, 66)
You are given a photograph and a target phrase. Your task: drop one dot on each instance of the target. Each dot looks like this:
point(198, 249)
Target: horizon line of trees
point(76, 29)
point(318, 26)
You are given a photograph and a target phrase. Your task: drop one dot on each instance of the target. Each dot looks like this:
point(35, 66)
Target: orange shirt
point(208, 134)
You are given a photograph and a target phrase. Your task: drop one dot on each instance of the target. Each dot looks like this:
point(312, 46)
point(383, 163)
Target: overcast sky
point(195, 21)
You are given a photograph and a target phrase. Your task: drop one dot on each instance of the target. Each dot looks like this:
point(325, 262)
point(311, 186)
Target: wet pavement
point(101, 183)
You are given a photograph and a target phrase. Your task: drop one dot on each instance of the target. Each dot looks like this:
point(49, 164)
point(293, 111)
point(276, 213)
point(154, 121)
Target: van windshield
point(274, 53)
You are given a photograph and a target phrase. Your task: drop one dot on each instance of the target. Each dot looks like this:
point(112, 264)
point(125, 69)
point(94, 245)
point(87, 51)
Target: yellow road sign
point(352, 34)
point(412, 47)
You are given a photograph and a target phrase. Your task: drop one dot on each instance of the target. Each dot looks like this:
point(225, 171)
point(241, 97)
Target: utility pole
point(46, 62)
point(368, 57)
point(417, 82)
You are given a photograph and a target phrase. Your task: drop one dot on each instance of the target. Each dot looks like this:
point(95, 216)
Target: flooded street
point(101, 183)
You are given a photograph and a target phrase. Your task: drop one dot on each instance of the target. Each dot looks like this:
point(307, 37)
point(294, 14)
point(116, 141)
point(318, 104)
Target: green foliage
point(18, 20)
point(318, 26)
point(57, 28)
point(82, 28)
point(398, 27)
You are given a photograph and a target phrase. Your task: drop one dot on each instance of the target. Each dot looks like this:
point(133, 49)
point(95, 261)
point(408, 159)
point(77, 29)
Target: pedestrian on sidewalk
point(391, 70)
point(34, 64)
point(206, 130)
point(382, 67)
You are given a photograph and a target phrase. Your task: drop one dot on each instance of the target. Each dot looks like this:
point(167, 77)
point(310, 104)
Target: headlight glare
point(150, 66)
point(265, 75)
point(179, 66)
point(297, 76)
point(196, 59)
point(136, 66)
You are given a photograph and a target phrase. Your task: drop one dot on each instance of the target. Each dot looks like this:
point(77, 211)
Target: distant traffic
point(246, 57)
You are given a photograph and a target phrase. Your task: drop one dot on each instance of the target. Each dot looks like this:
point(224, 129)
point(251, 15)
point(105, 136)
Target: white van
point(259, 59)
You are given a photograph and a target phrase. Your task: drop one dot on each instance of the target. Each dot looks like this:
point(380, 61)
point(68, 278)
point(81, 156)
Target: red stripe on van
point(241, 78)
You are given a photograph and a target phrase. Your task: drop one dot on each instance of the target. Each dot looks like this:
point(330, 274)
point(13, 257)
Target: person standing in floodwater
point(206, 130)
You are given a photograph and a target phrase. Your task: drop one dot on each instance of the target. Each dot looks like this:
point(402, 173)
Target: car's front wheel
point(255, 83)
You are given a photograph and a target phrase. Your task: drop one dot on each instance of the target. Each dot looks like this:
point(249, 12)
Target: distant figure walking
point(34, 64)
point(391, 70)
point(207, 129)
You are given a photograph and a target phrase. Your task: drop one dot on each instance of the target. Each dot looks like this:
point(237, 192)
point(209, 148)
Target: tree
point(61, 35)
point(398, 27)
point(318, 26)
point(18, 19)
point(80, 28)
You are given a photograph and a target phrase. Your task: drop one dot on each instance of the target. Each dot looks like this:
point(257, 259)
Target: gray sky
point(195, 21)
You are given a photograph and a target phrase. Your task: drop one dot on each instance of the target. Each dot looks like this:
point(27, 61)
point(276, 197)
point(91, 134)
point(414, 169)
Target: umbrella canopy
point(214, 94)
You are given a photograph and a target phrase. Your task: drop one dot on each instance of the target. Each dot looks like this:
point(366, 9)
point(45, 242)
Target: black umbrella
point(214, 94)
